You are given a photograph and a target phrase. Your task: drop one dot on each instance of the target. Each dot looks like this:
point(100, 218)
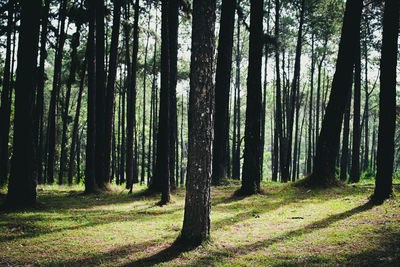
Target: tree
point(328, 141)
point(65, 112)
point(101, 179)
point(222, 88)
point(22, 184)
point(5, 109)
point(355, 158)
point(52, 118)
point(131, 105)
point(90, 175)
point(161, 179)
point(252, 152)
point(196, 222)
point(387, 102)
point(110, 92)
point(173, 23)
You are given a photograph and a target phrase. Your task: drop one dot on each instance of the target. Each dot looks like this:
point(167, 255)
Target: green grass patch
point(284, 226)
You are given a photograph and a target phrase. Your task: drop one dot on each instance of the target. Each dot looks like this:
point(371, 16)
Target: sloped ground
point(282, 226)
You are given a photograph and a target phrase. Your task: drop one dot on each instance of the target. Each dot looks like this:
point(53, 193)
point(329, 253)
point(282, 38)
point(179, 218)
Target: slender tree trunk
point(355, 159)
point(90, 175)
point(278, 98)
point(310, 113)
point(22, 184)
point(161, 181)
point(100, 98)
point(236, 159)
point(131, 106)
point(222, 88)
point(345, 143)
point(5, 109)
point(76, 121)
point(293, 97)
point(173, 8)
point(366, 108)
point(143, 163)
point(196, 223)
point(387, 102)
point(65, 113)
point(252, 150)
point(328, 143)
point(110, 92)
point(52, 118)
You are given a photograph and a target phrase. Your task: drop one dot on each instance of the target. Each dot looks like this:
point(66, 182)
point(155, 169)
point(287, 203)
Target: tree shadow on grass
point(242, 250)
point(168, 254)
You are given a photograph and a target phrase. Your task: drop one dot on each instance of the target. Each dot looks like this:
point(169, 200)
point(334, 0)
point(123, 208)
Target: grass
point(282, 226)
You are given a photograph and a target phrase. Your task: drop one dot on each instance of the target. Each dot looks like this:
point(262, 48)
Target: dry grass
point(282, 226)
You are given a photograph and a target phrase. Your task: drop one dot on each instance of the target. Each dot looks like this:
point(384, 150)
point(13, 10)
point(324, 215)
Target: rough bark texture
point(252, 149)
point(222, 88)
point(328, 143)
point(387, 102)
point(196, 223)
point(22, 184)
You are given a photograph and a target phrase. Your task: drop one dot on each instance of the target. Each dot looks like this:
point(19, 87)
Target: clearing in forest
point(282, 226)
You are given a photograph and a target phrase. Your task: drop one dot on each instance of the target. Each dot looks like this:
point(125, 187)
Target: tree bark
point(5, 110)
point(110, 92)
point(90, 175)
point(52, 118)
point(65, 113)
point(345, 143)
point(387, 102)
point(222, 88)
point(22, 184)
point(328, 142)
point(196, 223)
point(252, 150)
point(131, 106)
point(355, 159)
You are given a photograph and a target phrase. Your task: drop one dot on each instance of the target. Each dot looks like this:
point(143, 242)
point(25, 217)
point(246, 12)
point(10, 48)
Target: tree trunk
point(39, 109)
point(252, 150)
point(328, 142)
point(5, 109)
point(131, 106)
point(310, 113)
point(110, 93)
point(293, 98)
point(90, 175)
point(75, 127)
point(52, 118)
point(278, 98)
point(161, 181)
point(173, 6)
point(22, 184)
point(65, 114)
point(101, 180)
point(222, 88)
point(387, 102)
point(355, 159)
point(196, 223)
point(345, 143)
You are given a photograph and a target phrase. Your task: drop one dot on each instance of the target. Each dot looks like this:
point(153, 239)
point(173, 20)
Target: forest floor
point(282, 226)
